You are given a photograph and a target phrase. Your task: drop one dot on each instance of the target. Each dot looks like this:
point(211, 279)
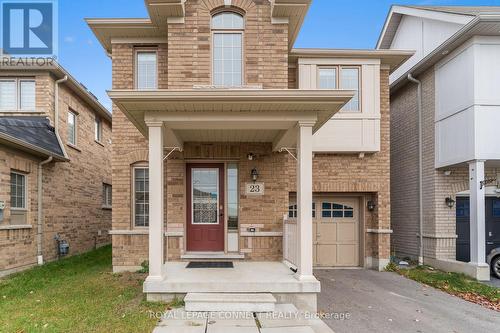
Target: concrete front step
point(215, 302)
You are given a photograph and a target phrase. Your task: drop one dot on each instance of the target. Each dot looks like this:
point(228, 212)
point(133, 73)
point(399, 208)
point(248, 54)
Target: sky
point(329, 24)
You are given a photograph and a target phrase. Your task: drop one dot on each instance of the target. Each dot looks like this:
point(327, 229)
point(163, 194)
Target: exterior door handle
point(489, 243)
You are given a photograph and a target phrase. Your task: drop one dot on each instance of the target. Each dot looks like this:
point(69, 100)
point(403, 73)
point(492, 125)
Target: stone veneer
point(72, 191)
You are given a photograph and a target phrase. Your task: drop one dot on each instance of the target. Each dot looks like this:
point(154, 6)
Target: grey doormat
point(210, 264)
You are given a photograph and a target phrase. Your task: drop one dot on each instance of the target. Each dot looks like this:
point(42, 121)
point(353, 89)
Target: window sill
point(107, 207)
point(99, 143)
point(74, 147)
point(16, 227)
point(24, 112)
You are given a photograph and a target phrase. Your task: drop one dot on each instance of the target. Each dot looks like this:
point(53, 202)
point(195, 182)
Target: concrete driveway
point(387, 302)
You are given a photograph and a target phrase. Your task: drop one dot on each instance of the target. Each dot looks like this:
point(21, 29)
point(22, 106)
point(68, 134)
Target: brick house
point(219, 123)
point(55, 165)
point(456, 69)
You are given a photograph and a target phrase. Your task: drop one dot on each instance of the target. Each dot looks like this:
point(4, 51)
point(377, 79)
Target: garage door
point(336, 232)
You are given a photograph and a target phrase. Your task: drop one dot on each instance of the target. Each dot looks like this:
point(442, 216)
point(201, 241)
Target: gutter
point(420, 169)
point(56, 113)
point(39, 234)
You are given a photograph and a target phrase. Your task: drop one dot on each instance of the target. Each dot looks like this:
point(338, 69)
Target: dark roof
point(31, 132)
point(462, 10)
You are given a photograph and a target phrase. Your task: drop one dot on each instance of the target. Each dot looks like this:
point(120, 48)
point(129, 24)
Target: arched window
point(227, 66)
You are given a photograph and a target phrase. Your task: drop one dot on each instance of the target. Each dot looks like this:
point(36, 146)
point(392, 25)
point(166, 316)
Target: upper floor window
point(344, 78)
point(98, 129)
point(17, 94)
point(227, 67)
point(72, 118)
point(349, 79)
point(146, 70)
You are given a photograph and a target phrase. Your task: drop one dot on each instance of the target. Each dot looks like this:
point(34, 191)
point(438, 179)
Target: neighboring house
point(219, 123)
point(55, 165)
point(457, 65)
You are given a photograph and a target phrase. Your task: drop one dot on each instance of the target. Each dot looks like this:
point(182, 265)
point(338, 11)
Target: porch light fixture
point(250, 156)
point(371, 205)
point(450, 202)
point(254, 174)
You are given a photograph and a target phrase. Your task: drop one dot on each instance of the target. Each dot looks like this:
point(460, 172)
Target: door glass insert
point(205, 194)
point(232, 196)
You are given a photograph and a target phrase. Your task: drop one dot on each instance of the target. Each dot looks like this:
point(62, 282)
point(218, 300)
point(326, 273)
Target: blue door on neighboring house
point(492, 215)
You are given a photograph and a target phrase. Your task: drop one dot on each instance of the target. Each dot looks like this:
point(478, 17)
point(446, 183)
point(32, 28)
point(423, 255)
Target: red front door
point(205, 207)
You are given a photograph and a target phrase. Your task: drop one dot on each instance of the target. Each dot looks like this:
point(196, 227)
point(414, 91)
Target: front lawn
point(456, 284)
point(77, 294)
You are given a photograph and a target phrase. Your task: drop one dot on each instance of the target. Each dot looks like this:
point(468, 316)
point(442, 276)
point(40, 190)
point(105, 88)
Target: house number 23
point(255, 188)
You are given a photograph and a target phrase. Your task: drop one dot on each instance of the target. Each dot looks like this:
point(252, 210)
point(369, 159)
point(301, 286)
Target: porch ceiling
point(230, 115)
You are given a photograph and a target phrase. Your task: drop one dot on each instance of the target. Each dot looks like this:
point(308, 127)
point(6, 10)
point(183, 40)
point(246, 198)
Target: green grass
point(77, 294)
point(453, 283)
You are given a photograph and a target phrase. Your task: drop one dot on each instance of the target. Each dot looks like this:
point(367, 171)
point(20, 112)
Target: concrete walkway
point(285, 319)
point(386, 302)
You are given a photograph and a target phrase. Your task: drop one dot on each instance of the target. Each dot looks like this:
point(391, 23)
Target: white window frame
point(107, 195)
point(75, 132)
point(216, 31)
point(18, 96)
point(136, 66)
point(98, 129)
point(25, 199)
point(135, 167)
point(338, 69)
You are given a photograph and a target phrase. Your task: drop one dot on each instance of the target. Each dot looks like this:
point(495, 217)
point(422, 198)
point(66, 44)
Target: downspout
point(420, 170)
point(56, 112)
point(39, 234)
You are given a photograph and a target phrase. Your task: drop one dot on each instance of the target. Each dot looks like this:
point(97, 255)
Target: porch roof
point(241, 115)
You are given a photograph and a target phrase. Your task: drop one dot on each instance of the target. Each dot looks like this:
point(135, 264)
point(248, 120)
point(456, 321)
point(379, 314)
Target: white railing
point(290, 241)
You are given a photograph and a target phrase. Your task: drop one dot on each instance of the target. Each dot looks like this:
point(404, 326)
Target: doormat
point(210, 264)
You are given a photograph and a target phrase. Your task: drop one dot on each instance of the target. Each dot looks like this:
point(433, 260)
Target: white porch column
point(477, 215)
point(156, 202)
point(304, 201)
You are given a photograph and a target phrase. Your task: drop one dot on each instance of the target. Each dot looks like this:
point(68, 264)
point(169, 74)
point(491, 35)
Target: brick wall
point(72, 191)
point(439, 221)
point(266, 65)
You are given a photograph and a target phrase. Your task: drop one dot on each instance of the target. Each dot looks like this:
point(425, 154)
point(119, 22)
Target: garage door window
point(336, 210)
point(292, 211)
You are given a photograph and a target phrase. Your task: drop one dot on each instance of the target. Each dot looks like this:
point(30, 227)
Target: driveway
point(387, 302)
point(495, 282)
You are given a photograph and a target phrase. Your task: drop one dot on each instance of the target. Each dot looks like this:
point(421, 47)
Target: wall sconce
point(450, 202)
point(250, 156)
point(371, 205)
point(255, 174)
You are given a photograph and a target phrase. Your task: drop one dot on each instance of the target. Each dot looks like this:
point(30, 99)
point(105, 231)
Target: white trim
point(132, 40)
point(379, 231)
point(16, 227)
point(262, 234)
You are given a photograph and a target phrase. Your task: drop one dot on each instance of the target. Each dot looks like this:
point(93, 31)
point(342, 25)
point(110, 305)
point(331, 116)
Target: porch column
point(304, 201)
point(156, 202)
point(477, 215)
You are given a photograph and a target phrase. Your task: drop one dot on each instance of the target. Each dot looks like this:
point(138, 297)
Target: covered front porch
point(285, 121)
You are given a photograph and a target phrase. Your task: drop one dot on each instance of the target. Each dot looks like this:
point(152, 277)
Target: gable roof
point(454, 14)
point(32, 134)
